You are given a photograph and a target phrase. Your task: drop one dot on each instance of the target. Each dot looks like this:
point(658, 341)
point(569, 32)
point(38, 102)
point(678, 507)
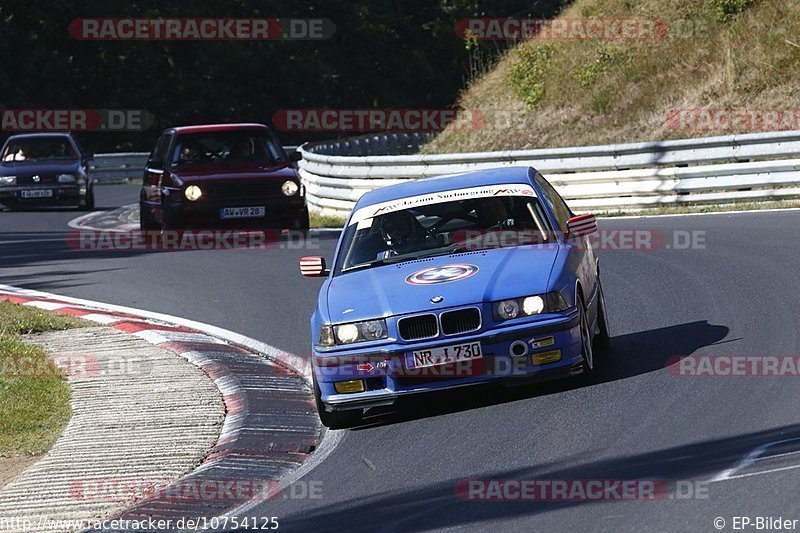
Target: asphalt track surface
point(735, 296)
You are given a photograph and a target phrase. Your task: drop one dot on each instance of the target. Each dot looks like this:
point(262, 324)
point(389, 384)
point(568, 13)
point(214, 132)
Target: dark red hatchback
point(221, 175)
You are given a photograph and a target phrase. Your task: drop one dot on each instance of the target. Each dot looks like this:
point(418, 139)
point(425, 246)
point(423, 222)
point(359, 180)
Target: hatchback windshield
point(226, 147)
point(37, 149)
point(443, 228)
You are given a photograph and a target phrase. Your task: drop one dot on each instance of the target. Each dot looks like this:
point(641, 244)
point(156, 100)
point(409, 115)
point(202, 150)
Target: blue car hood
point(384, 291)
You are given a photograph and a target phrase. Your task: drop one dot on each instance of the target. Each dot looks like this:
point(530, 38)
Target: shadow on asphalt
point(436, 505)
point(630, 355)
point(51, 209)
point(27, 248)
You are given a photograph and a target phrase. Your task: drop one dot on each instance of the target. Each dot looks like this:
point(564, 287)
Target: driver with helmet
point(402, 233)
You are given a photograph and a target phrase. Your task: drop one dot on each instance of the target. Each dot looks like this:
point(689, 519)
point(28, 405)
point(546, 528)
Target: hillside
point(714, 67)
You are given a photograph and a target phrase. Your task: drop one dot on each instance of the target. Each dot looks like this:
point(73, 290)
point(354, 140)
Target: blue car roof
point(40, 134)
point(492, 176)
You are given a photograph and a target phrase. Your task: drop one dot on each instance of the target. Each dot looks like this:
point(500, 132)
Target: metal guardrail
point(383, 144)
point(114, 168)
point(606, 178)
point(126, 166)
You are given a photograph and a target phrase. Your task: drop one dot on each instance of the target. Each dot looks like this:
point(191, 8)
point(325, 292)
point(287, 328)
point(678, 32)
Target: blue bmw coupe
point(452, 281)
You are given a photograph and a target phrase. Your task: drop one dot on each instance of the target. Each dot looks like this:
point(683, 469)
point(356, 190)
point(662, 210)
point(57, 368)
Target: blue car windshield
point(441, 229)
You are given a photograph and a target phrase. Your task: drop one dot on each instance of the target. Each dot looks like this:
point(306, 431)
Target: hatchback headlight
point(368, 330)
point(66, 178)
point(193, 193)
point(289, 188)
point(537, 304)
point(9, 181)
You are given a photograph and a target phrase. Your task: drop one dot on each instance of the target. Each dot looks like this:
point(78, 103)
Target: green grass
point(703, 54)
point(325, 221)
point(35, 404)
point(708, 208)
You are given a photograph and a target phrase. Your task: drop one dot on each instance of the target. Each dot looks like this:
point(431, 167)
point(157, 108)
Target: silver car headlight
point(536, 304)
point(66, 178)
point(8, 181)
point(368, 330)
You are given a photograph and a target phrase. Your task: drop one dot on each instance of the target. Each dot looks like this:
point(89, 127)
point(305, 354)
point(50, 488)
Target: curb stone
point(270, 428)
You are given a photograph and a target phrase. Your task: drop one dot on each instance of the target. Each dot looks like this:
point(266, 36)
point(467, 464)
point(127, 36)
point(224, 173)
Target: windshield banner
point(484, 191)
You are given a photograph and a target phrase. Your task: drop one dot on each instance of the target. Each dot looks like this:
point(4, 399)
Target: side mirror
point(294, 157)
point(581, 225)
point(313, 266)
point(88, 156)
point(156, 164)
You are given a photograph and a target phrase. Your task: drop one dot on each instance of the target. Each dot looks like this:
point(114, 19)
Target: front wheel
point(587, 350)
point(335, 419)
point(302, 222)
point(146, 222)
point(87, 204)
point(169, 219)
point(603, 338)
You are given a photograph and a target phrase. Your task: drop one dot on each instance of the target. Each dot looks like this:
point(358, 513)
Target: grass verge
point(317, 220)
point(707, 208)
point(737, 56)
point(34, 392)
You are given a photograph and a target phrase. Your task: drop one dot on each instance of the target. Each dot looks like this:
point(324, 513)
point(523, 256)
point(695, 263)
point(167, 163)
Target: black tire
point(169, 219)
point(335, 419)
point(603, 338)
point(587, 350)
point(87, 204)
point(302, 222)
point(146, 222)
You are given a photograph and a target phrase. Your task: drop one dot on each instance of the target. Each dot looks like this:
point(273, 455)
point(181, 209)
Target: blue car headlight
point(8, 181)
point(526, 306)
point(368, 330)
point(66, 178)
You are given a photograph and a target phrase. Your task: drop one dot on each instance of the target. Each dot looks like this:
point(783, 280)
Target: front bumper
point(387, 377)
point(278, 212)
point(62, 194)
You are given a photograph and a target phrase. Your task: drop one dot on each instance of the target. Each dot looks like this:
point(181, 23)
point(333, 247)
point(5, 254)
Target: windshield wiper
point(455, 249)
point(381, 262)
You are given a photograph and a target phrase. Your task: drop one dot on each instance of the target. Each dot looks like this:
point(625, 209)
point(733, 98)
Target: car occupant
point(402, 232)
point(190, 153)
point(243, 149)
point(15, 154)
point(493, 215)
point(60, 150)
